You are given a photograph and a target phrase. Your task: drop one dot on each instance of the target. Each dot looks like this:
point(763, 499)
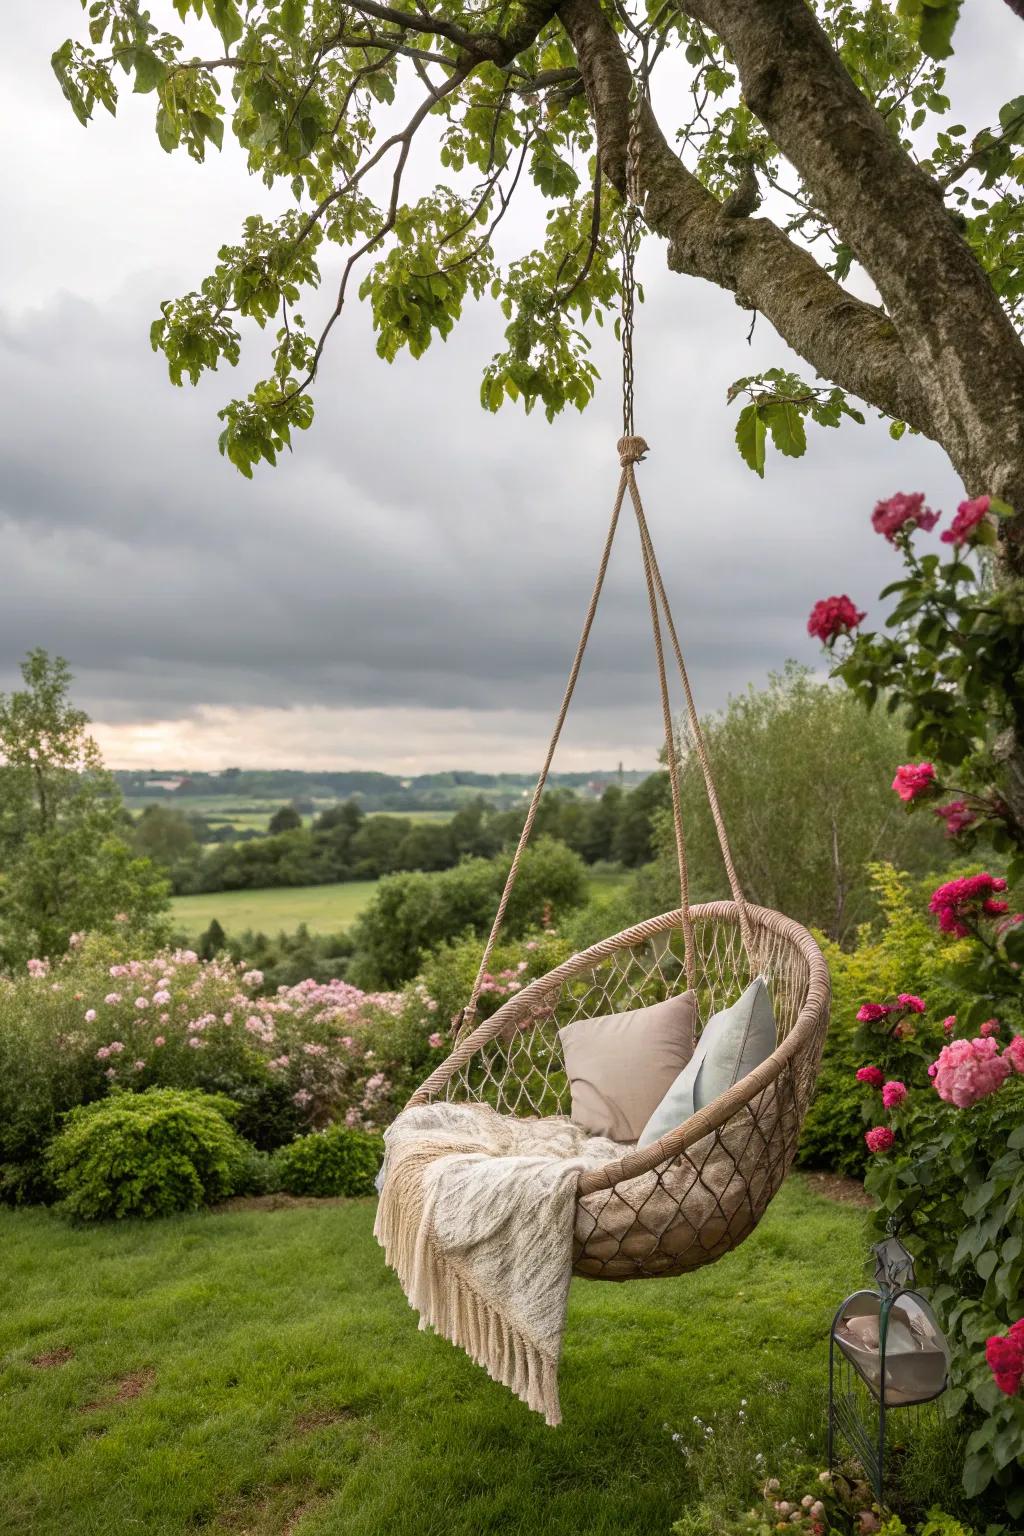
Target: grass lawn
point(261, 1372)
point(323, 908)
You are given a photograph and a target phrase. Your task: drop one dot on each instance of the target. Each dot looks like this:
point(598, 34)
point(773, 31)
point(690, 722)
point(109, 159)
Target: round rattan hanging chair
point(689, 1198)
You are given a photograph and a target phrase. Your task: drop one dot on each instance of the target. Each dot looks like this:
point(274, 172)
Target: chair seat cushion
point(732, 1043)
point(621, 1065)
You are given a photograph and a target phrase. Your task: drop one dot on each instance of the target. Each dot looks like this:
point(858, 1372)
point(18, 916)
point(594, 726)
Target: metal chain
point(630, 241)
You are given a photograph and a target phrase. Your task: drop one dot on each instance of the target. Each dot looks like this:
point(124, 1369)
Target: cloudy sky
point(405, 591)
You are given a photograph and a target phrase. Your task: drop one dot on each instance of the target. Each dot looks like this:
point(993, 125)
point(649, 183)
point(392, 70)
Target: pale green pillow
point(732, 1043)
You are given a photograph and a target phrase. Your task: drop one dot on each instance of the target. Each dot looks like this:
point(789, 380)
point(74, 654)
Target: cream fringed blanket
point(476, 1216)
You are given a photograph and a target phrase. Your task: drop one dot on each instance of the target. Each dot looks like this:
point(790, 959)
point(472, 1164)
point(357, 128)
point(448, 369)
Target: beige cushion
point(620, 1066)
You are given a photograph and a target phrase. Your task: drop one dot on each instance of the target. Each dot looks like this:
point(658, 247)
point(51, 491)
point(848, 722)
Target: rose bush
point(948, 1174)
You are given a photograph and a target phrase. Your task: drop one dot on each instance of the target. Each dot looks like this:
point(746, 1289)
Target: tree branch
point(850, 342)
point(959, 342)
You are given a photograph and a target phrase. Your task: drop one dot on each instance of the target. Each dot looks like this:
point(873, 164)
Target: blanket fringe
point(445, 1302)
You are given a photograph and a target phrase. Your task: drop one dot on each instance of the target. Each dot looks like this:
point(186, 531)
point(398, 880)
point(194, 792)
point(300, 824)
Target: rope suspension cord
point(631, 450)
point(469, 1012)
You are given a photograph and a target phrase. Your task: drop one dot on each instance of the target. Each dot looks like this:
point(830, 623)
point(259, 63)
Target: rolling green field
point(259, 1373)
point(323, 908)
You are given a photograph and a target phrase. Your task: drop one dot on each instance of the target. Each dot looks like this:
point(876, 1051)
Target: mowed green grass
point(323, 908)
point(261, 1372)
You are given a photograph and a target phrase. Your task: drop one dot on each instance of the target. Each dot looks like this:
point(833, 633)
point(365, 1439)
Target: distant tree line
point(374, 791)
point(343, 843)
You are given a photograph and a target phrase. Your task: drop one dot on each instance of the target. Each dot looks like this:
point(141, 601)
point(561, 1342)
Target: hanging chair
point(689, 1198)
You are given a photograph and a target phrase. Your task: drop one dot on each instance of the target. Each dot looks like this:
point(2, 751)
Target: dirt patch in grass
point(52, 1357)
point(322, 1418)
point(277, 1513)
point(837, 1186)
point(124, 1391)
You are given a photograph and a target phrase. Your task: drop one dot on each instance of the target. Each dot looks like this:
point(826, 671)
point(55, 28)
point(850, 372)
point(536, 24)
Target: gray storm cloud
point(413, 553)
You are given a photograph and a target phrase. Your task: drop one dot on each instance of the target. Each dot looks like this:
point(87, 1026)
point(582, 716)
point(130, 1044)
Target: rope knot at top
point(631, 450)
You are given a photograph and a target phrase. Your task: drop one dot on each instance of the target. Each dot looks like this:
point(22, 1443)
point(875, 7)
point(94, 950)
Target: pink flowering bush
point(952, 1182)
point(98, 1020)
point(949, 657)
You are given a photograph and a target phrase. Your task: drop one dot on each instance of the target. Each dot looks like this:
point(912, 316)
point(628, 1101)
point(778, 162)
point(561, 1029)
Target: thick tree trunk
point(958, 339)
point(942, 355)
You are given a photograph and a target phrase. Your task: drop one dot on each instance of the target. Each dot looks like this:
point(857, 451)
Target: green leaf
point(226, 18)
point(150, 71)
point(786, 426)
point(750, 435)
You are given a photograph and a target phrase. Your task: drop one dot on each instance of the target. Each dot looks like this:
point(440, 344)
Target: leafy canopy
point(326, 100)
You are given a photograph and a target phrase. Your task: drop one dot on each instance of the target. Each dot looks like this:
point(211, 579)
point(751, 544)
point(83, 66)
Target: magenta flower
point(870, 1013)
point(968, 515)
point(957, 815)
point(874, 1076)
point(893, 1094)
point(914, 780)
point(990, 1027)
point(903, 513)
point(967, 1071)
point(949, 1024)
point(968, 897)
point(911, 1003)
point(1005, 1356)
point(830, 618)
point(880, 1138)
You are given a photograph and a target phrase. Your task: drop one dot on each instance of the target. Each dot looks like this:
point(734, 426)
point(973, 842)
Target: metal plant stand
point(886, 1351)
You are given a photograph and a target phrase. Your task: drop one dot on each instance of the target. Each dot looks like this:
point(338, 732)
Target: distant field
point(323, 908)
point(247, 815)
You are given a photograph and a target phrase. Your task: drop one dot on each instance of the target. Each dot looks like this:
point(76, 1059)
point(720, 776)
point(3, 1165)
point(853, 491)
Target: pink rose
point(879, 1139)
point(903, 513)
point(830, 618)
point(968, 515)
point(893, 1094)
point(957, 815)
point(1014, 1054)
point(969, 1070)
point(872, 1075)
point(957, 902)
point(949, 1024)
point(1005, 1356)
point(913, 780)
point(911, 1003)
point(990, 1027)
point(870, 1013)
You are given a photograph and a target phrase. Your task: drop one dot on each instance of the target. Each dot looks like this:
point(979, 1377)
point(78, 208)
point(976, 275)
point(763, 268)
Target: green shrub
point(412, 914)
point(337, 1161)
point(259, 1173)
point(146, 1154)
point(900, 952)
